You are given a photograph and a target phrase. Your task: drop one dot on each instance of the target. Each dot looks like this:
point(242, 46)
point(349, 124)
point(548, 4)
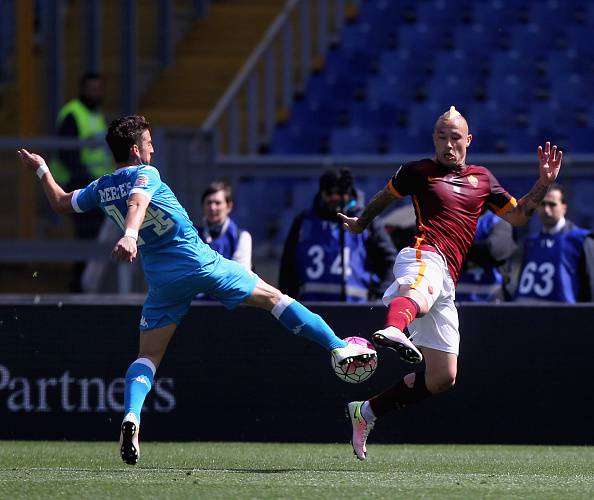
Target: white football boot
point(394, 339)
point(361, 429)
point(129, 447)
point(352, 352)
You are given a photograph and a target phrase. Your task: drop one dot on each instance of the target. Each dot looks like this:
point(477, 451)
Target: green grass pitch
point(247, 470)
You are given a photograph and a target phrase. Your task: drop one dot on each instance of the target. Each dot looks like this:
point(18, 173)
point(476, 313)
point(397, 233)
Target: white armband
point(131, 233)
point(42, 170)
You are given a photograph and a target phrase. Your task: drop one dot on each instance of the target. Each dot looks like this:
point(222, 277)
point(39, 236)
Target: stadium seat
point(503, 64)
point(441, 11)
point(521, 141)
point(477, 40)
point(533, 40)
point(580, 140)
point(422, 116)
point(561, 11)
point(376, 117)
point(579, 38)
point(572, 91)
point(395, 90)
point(500, 14)
point(451, 89)
point(295, 138)
point(362, 37)
point(511, 92)
point(422, 38)
point(353, 140)
point(409, 142)
point(402, 62)
point(459, 63)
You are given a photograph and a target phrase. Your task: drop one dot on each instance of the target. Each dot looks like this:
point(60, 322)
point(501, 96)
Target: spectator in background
point(558, 264)
point(321, 261)
point(481, 279)
point(219, 231)
point(81, 118)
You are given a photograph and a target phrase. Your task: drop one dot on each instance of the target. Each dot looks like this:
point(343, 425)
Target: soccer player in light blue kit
point(177, 263)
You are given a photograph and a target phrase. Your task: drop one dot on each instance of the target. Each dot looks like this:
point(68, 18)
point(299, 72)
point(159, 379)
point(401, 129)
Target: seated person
point(323, 262)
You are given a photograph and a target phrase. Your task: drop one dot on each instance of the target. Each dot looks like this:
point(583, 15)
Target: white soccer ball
point(357, 371)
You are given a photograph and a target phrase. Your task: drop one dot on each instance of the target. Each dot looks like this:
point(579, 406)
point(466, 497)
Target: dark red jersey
point(448, 204)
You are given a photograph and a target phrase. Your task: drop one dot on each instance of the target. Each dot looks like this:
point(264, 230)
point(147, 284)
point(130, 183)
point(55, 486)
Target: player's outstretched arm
point(376, 205)
point(549, 164)
point(125, 249)
point(59, 200)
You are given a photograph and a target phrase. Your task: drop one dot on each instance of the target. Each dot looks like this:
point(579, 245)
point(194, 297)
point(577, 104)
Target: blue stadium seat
point(533, 40)
point(477, 40)
point(296, 138)
point(503, 64)
point(422, 38)
point(571, 91)
point(362, 37)
point(552, 13)
point(579, 38)
point(402, 62)
point(449, 90)
point(511, 92)
point(500, 14)
point(560, 63)
point(459, 63)
point(422, 115)
point(341, 66)
point(376, 117)
point(393, 90)
point(324, 90)
point(408, 142)
point(580, 140)
point(521, 141)
point(441, 11)
point(353, 140)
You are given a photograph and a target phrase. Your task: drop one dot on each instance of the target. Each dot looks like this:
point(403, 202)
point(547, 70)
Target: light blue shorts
point(229, 283)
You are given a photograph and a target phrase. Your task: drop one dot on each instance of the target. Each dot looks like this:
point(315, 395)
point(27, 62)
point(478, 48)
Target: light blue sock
point(301, 321)
point(138, 383)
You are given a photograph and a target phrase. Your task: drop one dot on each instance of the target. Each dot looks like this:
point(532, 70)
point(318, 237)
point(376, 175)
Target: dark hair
point(215, 187)
point(123, 133)
point(561, 189)
point(89, 75)
point(341, 179)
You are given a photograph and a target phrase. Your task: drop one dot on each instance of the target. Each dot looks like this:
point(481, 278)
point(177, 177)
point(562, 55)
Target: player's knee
point(440, 383)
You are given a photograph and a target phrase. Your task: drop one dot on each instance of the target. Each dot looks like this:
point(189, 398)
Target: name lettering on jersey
point(115, 192)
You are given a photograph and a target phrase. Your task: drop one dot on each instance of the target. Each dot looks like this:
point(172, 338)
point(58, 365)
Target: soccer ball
point(357, 371)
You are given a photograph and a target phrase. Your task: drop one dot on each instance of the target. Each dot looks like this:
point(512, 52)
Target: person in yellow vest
point(82, 118)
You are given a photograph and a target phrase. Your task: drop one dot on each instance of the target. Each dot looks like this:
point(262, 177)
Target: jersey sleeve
point(85, 199)
point(146, 181)
point(405, 181)
point(499, 200)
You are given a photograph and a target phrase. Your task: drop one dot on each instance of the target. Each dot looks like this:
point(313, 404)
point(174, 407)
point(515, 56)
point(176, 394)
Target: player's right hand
point(125, 250)
point(351, 223)
point(30, 160)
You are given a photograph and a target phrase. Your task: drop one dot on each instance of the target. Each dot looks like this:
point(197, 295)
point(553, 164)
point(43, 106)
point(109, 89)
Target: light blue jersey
point(167, 240)
point(176, 262)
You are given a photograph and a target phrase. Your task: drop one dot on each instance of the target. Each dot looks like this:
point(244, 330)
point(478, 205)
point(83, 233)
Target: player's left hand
point(549, 160)
point(30, 160)
point(351, 223)
point(125, 250)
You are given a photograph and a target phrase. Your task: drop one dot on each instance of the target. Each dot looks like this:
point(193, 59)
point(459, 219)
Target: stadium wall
point(524, 377)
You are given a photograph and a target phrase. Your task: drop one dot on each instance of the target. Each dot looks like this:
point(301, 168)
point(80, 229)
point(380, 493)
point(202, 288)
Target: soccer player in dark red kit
point(448, 196)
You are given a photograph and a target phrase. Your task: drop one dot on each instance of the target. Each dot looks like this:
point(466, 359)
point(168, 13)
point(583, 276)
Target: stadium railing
point(277, 67)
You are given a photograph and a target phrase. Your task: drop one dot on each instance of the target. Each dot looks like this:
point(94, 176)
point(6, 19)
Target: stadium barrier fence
point(524, 376)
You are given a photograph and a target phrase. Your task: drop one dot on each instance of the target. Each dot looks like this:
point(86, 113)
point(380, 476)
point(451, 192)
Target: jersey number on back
point(154, 218)
point(537, 278)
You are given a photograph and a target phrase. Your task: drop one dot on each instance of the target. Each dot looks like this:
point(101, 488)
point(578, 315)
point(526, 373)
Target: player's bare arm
point(376, 205)
point(59, 200)
point(549, 161)
point(125, 249)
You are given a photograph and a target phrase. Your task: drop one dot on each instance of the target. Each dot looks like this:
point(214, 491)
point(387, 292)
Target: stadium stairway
point(206, 60)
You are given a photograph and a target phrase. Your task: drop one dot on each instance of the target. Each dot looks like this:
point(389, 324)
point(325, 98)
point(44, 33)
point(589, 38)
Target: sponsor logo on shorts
point(143, 322)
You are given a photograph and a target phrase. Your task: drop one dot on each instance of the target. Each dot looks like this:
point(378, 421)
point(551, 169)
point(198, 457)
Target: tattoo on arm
point(530, 202)
point(375, 206)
